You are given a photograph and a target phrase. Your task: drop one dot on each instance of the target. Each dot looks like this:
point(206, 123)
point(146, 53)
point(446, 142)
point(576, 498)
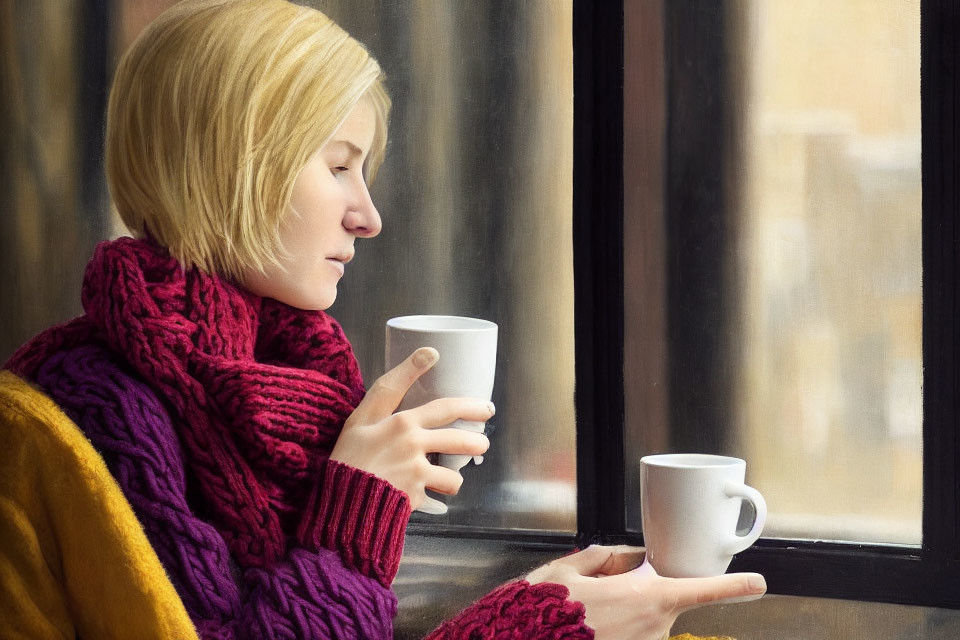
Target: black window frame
point(928, 575)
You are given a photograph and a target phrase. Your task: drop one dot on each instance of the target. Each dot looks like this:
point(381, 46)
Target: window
point(828, 383)
point(750, 160)
point(475, 196)
point(792, 287)
point(679, 57)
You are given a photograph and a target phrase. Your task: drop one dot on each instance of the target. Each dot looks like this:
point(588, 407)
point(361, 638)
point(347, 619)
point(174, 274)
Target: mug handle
point(736, 490)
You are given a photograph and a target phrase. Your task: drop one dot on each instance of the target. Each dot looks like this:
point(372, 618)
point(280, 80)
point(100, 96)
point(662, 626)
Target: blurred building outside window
point(829, 409)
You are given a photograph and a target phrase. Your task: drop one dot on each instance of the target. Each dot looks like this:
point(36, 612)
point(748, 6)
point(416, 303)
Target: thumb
point(594, 560)
point(386, 394)
point(624, 558)
point(691, 593)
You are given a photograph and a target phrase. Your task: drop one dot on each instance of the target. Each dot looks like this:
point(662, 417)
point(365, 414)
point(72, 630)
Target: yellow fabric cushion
point(74, 560)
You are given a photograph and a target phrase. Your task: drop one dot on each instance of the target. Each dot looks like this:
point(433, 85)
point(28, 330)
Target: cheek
point(321, 205)
point(311, 188)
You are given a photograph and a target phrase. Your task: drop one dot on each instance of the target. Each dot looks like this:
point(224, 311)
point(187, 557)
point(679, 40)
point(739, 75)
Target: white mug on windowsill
point(690, 504)
point(466, 368)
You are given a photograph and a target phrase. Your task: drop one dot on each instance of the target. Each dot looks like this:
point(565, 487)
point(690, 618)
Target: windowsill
point(443, 572)
point(857, 529)
point(799, 617)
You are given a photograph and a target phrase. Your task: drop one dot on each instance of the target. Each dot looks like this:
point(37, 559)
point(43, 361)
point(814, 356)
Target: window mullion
point(939, 24)
point(598, 265)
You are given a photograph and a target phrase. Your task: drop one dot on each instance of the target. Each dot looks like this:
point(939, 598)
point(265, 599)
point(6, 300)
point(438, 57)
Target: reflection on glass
point(829, 379)
point(476, 199)
point(475, 194)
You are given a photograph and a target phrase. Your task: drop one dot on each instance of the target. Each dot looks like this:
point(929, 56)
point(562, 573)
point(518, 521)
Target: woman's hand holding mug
point(626, 601)
point(394, 446)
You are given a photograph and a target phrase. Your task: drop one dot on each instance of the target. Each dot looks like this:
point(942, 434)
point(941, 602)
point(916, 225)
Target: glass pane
point(476, 200)
point(829, 402)
point(53, 207)
point(475, 195)
point(780, 319)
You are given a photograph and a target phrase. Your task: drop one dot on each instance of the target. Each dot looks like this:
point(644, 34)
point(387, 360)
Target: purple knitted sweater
point(306, 595)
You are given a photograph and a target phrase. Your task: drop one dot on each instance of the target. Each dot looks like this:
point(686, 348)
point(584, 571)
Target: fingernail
point(424, 358)
point(757, 583)
point(492, 408)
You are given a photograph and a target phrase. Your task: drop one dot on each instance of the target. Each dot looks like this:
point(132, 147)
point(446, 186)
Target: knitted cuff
point(519, 610)
point(360, 516)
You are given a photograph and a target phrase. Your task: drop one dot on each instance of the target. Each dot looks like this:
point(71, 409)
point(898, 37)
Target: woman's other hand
point(624, 600)
point(394, 446)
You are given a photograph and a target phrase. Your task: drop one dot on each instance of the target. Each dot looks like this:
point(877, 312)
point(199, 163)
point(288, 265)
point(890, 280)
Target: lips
point(344, 257)
point(339, 260)
point(336, 264)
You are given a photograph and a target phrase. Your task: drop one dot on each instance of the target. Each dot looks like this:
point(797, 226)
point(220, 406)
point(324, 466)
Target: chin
point(307, 302)
point(297, 291)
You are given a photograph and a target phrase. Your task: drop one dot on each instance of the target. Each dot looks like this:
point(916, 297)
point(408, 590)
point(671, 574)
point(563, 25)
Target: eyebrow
point(354, 149)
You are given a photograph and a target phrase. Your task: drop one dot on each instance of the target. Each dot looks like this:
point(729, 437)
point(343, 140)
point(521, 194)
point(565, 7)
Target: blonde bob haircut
point(213, 112)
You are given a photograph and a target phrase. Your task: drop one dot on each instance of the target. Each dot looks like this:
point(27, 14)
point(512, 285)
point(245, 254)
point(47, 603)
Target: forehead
point(357, 131)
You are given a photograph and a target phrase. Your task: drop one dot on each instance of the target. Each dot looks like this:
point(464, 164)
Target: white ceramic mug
point(466, 368)
point(690, 504)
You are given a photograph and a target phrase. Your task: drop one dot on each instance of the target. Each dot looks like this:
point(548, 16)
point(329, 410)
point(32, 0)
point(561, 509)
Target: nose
point(362, 217)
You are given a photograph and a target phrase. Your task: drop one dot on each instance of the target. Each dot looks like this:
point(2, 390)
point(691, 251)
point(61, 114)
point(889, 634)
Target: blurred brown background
point(475, 195)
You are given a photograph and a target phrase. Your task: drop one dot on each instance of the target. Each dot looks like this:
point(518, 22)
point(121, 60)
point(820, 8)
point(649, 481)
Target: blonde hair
point(215, 109)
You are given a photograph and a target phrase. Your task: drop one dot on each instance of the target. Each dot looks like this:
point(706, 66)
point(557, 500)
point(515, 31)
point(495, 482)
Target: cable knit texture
point(74, 561)
point(258, 392)
point(215, 412)
point(518, 611)
point(308, 594)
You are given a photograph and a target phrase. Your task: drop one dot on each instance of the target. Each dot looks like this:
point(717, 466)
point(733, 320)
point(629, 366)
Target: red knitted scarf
point(259, 390)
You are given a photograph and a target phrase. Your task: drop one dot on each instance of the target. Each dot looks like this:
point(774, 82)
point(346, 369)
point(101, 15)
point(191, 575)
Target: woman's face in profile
point(331, 209)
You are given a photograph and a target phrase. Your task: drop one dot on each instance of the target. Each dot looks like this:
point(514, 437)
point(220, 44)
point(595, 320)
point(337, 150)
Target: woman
point(197, 455)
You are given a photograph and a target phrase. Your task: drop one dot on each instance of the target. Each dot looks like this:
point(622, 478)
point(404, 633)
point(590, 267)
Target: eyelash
point(341, 168)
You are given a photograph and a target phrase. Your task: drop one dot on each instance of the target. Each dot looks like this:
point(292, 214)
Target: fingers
point(696, 592)
point(383, 398)
point(443, 480)
point(440, 413)
point(455, 441)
